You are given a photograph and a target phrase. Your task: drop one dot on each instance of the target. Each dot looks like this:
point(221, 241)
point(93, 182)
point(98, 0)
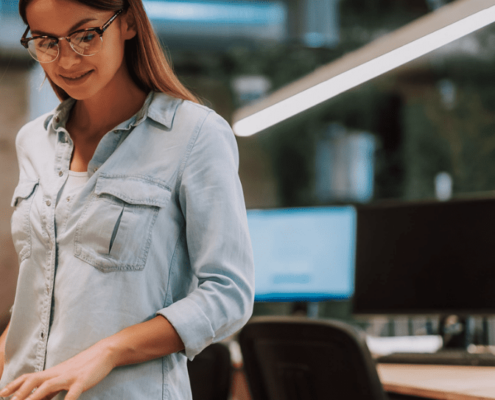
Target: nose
point(66, 56)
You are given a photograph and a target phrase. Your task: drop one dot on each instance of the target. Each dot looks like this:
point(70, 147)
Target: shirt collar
point(163, 107)
point(58, 114)
point(159, 106)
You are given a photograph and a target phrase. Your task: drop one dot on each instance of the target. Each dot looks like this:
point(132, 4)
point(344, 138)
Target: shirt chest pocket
point(115, 229)
point(20, 222)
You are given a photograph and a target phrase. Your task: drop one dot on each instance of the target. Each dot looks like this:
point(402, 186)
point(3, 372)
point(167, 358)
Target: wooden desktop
point(447, 382)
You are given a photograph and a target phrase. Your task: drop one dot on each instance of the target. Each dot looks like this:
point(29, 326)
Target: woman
point(129, 219)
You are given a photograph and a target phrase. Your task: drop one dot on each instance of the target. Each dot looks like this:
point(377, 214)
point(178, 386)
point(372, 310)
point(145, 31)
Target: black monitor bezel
point(412, 312)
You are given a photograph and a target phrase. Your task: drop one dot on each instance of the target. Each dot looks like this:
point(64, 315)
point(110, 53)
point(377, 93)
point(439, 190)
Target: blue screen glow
point(303, 254)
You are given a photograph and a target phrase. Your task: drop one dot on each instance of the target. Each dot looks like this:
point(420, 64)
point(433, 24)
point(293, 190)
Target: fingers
point(47, 390)
point(15, 385)
point(74, 392)
point(50, 397)
point(33, 388)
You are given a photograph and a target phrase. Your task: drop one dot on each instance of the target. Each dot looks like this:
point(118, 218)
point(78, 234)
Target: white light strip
point(362, 73)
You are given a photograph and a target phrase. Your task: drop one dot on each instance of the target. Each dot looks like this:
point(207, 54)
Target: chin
point(83, 91)
point(78, 95)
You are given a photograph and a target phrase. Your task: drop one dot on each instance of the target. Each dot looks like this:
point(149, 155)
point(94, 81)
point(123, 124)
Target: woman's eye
point(47, 44)
point(85, 37)
point(89, 37)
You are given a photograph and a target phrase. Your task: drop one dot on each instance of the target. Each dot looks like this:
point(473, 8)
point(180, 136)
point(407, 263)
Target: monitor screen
point(426, 258)
point(303, 254)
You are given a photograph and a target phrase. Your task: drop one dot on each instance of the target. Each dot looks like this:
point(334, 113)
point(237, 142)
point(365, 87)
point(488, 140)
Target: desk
point(447, 382)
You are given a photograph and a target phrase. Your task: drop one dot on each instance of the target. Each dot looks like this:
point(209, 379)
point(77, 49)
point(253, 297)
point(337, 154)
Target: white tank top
point(72, 187)
point(75, 180)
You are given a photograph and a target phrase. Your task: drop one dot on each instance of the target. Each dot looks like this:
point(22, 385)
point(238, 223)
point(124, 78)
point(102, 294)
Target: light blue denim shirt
point(159, 228)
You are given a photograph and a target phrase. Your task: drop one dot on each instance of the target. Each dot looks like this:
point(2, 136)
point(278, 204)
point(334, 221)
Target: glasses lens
point(86, 43)
point(43, 50)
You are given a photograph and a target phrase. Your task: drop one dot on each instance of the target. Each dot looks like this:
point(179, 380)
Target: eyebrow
point(80, 23)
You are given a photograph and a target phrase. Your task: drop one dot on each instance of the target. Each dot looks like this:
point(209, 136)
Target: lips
point(76, 76)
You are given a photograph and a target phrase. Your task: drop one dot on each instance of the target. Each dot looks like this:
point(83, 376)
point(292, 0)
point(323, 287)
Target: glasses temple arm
point(23, 39)
point(104, 27)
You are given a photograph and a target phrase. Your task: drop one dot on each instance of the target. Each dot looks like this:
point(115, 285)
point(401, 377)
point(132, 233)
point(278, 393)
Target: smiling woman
point(129, 221)
point(145, 60)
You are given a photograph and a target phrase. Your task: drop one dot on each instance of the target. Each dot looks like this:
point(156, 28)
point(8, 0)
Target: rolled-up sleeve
point(218, 242)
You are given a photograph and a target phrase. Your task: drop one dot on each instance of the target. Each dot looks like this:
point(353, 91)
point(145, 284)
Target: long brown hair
point(147, 63)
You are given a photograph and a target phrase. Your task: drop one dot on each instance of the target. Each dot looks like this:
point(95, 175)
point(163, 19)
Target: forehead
point(58, 16)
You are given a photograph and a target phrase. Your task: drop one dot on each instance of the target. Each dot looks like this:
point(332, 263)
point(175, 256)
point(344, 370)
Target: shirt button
point(68, 198)
point(48, 203)
point(42, 335)
point(60, 173)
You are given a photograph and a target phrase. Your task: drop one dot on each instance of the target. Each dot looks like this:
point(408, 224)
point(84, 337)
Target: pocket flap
point(134, 189)
point(23, 190)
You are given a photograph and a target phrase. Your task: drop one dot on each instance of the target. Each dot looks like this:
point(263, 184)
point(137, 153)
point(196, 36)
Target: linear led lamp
point(353, 77)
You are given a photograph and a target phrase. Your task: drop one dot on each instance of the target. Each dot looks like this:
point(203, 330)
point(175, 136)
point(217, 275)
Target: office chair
point(294, 358)
point(210, 373)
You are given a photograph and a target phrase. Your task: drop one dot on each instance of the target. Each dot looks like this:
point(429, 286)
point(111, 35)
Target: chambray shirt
point(159, 228)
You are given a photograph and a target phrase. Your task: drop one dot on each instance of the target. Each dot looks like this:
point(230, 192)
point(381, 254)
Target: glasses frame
point(25, 41)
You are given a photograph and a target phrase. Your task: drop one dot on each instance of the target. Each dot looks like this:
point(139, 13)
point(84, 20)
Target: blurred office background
point(422, 131)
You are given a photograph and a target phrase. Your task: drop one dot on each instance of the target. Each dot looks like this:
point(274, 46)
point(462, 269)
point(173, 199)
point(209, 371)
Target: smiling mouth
point(76, 77)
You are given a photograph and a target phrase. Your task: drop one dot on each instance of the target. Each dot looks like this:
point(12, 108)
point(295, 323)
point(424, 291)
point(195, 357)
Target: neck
point(117, 102)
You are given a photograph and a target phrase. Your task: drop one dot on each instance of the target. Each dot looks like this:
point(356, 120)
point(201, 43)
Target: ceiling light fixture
point(323, 91)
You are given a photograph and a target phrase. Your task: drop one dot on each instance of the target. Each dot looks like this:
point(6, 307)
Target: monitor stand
point(456, 332)
point(308, 309)
point(313, 309)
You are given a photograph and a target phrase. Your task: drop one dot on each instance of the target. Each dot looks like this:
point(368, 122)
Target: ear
point(128, 25)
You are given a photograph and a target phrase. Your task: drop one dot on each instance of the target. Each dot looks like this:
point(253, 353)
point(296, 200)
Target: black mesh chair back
point(210, 373)
point(289, 358)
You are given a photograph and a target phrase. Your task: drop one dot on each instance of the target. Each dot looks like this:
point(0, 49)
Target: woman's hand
point(135, 344)
point(75, 375)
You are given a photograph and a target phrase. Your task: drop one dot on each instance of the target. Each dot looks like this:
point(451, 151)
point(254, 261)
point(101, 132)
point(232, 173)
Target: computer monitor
point(303, 254)
point(426, 258)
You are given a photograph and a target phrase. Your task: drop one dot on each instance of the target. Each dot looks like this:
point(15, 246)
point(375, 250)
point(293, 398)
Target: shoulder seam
point(192, 142)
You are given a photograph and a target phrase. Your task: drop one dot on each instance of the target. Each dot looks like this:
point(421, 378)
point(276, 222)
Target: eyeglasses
point(86, 42)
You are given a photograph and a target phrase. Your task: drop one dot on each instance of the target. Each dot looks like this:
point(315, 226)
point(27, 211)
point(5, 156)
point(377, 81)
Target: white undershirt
point(75, 180)
point(74, 184)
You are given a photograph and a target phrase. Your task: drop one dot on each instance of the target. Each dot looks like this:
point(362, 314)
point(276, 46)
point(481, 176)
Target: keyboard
point(444, 357)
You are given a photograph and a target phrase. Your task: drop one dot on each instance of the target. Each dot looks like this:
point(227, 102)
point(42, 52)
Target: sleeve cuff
point(191, 324)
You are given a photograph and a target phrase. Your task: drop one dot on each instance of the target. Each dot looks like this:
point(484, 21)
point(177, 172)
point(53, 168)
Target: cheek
point(49, 71)
point(113, 52)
